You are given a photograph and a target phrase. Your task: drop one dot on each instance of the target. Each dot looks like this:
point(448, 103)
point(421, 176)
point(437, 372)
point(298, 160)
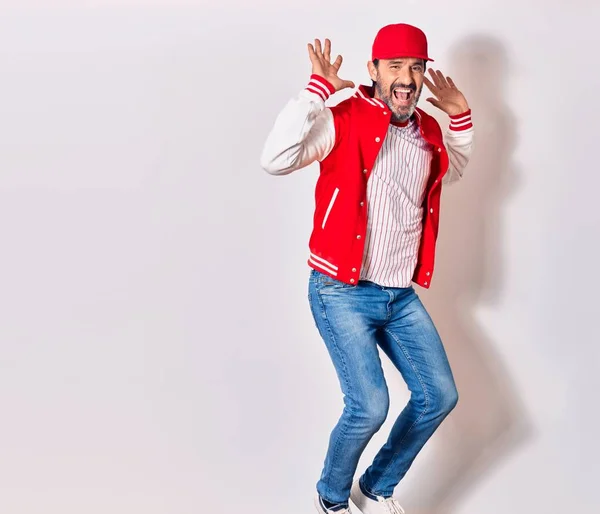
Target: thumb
point(435, 102)
point(347, 83)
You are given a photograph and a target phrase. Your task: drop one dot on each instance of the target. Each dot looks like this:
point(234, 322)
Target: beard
point(400, 113)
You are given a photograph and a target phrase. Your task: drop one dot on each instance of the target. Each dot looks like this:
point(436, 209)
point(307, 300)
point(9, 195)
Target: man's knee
point(372, 410)
point(445, 399)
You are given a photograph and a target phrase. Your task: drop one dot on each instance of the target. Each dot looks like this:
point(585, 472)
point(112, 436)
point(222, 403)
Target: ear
point(372, 71)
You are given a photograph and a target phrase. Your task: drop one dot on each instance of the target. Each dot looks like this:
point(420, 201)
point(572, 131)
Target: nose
point(405, 76)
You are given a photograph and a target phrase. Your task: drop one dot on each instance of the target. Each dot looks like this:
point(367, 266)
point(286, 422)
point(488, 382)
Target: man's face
point(398, 84)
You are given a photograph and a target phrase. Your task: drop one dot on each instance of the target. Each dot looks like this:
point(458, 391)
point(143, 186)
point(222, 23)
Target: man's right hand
point(322, 66)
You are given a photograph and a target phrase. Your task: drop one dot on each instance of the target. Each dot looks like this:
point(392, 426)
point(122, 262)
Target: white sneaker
point(322, 510)
point(368, 506)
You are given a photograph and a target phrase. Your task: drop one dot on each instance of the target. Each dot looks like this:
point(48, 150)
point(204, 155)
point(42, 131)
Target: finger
point(318, 50)
point(451, 82)
point(435, 78)
point(312, 55)
point(430, 85)
point(327, 52)
point(442, 79)
point(338, 62)
point(435, 102)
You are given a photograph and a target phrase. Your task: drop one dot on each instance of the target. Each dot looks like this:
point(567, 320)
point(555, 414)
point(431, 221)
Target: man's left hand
point(448, 98)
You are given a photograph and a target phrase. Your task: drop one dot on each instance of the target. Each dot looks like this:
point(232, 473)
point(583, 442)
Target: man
point(382, 165)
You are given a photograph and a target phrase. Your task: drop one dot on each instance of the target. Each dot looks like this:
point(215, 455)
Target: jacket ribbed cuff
point(320, 86)
point(460, 122)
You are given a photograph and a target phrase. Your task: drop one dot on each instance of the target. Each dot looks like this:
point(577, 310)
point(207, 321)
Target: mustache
point(405, 86)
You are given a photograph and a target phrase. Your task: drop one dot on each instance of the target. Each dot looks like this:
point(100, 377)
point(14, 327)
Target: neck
point(400, 123)
point(393, 121)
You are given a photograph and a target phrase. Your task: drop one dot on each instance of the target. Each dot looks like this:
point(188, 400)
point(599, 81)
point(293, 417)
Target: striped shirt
point(395, 194)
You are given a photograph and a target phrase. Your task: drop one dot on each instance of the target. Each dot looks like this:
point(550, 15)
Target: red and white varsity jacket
point(360, 124)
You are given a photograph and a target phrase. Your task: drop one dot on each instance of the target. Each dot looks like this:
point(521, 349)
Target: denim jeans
point(354, 320)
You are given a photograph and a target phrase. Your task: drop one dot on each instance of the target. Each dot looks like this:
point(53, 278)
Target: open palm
point(447, 96)
point(322, 65)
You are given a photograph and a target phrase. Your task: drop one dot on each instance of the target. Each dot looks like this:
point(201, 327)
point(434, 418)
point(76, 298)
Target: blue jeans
point(354, 320)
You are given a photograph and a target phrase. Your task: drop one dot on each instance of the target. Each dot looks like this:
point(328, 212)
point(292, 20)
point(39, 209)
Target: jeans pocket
point(329, 284)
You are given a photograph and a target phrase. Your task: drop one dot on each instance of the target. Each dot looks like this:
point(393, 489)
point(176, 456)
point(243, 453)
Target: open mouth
point(403, 95)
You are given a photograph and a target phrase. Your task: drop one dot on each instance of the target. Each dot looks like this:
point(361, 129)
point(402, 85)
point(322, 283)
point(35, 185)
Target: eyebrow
point(400, 61)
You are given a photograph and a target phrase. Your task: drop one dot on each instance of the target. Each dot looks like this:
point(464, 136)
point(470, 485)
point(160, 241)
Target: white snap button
point(439, 149)
point(425, 283)
point(431, 211)
point(362, 204)
point(358, 237)
point(384, 112)
point(353, 270)
point(352, 281)
point(377, 139)
point(364, 171)
point(428, 273)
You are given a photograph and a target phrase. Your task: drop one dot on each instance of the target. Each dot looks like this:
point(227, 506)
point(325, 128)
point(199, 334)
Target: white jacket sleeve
point(304, 131)
point(458, 140)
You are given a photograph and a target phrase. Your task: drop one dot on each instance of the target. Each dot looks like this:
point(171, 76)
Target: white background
point(157, 352)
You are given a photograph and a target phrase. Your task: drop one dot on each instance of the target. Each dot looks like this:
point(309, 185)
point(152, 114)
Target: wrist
point(461, 121)
point(320, 86)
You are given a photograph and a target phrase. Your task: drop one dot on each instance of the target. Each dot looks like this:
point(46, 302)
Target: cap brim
point(424, 57)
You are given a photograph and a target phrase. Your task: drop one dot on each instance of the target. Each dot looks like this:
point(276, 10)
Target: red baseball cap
point(400, 40)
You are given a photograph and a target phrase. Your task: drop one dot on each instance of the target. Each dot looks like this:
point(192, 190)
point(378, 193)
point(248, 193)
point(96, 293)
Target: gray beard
point(386, 98)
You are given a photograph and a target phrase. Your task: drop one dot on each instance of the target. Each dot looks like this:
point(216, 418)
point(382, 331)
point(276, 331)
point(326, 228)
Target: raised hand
point(448, 98)
point(322, 65)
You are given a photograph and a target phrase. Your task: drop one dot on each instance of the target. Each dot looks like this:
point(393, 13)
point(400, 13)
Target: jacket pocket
point(328, 212)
